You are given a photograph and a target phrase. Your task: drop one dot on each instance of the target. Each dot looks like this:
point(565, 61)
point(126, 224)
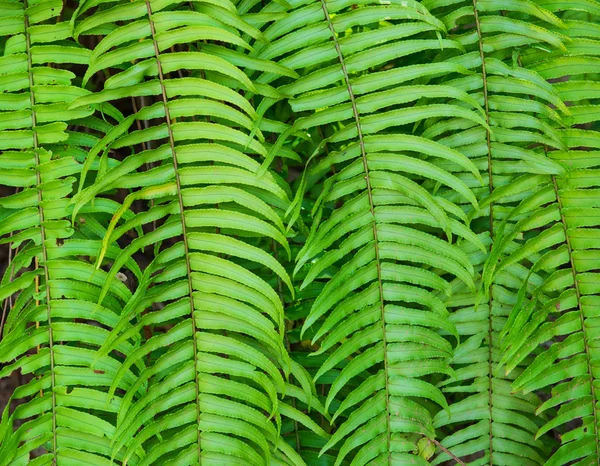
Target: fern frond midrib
point(182, 219)
point(372, 209)
point(286, 341)
point(491, 228)
point(38, 180)
point(581, 314)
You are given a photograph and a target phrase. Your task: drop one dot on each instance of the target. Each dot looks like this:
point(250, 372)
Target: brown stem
point(445, 450)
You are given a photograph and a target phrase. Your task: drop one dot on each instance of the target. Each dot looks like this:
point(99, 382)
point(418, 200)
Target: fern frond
point(560, 307)
point(214, 376)
point(53, 326)
point(551, 231)
point(376, 229)
point(487, 424)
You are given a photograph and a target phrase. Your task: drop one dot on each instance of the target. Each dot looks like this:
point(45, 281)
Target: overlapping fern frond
point(557, 299)
point(553, 231)
point(488, 424)
point(381, 236)
point(51, 325)
point(215, 374)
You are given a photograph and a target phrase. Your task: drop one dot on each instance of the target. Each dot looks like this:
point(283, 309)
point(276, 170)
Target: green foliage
point(300, 232)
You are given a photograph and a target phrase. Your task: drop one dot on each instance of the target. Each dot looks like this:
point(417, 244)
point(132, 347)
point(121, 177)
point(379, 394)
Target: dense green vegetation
point(300, 232)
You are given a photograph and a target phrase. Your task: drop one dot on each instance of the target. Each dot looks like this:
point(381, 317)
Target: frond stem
point(182, 217)
point(448, 452)
point(491, 218)
point(361, 143)
point(42, 228)
point(487, 107)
